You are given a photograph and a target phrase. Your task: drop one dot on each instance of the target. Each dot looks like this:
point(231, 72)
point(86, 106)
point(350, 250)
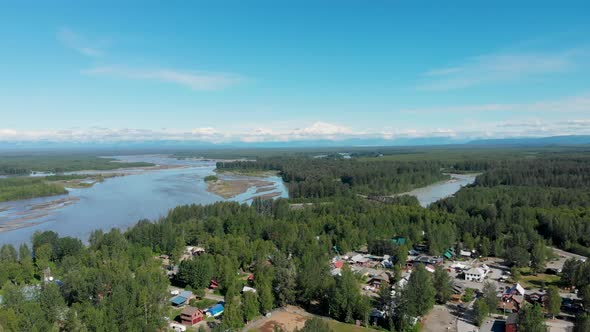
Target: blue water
point(121, 201)
point(434, 192)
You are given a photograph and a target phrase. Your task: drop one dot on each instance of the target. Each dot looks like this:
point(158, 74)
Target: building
point(191, 316)
point(182, 299)
point(512, 323)
point(475, 274)
point(215, 310)
point(399, 240)
point(512, 299)
point(428, 260)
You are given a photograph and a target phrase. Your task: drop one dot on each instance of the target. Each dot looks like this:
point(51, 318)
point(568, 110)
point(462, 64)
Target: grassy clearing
point(540, 280)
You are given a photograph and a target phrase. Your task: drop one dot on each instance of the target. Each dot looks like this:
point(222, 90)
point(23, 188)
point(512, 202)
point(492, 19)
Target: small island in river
point(228, 188)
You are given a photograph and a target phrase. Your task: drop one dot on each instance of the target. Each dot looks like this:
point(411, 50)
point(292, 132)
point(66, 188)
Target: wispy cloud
point(575, 104)
point(77, 42)
point(503, 67)
point(190, 79)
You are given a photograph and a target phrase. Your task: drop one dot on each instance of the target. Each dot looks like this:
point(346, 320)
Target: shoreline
point(229, 188)
point(36, 211)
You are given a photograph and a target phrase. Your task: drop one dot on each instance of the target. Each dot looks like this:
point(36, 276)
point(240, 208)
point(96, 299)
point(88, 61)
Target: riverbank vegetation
point(58, 163)
point(324, 177)
point(22, 188)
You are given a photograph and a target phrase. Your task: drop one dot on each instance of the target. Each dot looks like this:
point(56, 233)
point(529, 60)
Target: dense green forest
point(327, 177)
point(26, 187)
point(58, 163)
point(514, 211)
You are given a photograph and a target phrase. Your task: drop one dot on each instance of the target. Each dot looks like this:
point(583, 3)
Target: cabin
point(191, 316)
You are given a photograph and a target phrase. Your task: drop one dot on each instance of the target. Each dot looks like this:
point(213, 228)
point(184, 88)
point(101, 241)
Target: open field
point(291, 318)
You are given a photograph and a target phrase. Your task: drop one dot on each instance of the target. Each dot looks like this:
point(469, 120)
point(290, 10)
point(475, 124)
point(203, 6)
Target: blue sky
point(254, 71)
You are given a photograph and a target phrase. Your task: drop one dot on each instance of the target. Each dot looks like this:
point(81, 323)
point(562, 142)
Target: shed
point(216, 310)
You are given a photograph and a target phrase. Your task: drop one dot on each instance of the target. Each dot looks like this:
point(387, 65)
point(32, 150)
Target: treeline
point(564, 173)
point(111, 285)
point(325, 177)
point(24, 165)
point(26, 187)
point(546, 198)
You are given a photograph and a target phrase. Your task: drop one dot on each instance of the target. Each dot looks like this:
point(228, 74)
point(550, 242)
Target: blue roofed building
point(181, 299)
point(216, 310)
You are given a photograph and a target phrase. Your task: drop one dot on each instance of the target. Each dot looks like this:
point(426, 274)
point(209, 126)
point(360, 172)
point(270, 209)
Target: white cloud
point(192, 80)
point(79, 43)
point(503, 67)
point(532, 127)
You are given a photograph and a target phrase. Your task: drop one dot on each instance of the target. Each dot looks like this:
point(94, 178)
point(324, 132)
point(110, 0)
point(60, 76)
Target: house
point(359, 259)
point(449, 254)
point(539, 297)
point(426, 260)
point(216, 310)
point(191, 316)
point(377, 280)
point(430, 268)
point(336, 272)
point(182, 298)
point(339, 264)
point(512, 323)
point(512, 299)
point(475, 274)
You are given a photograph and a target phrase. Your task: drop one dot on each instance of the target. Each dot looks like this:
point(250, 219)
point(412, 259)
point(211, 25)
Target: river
point(443, 189)
point(118, 202)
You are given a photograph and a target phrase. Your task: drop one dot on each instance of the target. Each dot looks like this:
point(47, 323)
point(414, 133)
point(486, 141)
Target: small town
point(469, 273)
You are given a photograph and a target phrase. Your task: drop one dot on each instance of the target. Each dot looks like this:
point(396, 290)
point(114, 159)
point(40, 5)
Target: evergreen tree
point(531, 319)
point(490, 295)
point(251, 305)
point(419, 292)
point(482, 310)
point(553, 301)
point(315, 324)
point(582, 323)
point(443, 285)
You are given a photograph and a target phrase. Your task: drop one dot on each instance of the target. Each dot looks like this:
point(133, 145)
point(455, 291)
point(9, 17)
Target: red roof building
point(191, 316)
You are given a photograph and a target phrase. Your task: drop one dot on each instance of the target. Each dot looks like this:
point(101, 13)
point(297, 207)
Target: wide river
point(120, 201)
point(434, 192)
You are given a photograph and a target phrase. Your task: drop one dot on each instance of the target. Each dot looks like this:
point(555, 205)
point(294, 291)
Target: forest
point(514, 210)
point(328, 177)
point(59, 163)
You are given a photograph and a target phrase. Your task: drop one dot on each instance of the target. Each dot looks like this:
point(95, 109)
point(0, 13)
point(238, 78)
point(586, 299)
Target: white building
point(475, 274)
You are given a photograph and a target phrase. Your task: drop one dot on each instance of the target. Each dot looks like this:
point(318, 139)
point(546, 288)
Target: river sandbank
point(228, 188)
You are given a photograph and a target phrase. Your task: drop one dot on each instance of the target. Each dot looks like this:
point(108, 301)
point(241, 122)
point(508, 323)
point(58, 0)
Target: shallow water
point(121, 201)
point(432, 193)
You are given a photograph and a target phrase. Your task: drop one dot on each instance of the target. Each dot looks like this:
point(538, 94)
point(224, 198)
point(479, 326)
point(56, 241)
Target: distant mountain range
point(159, 146)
